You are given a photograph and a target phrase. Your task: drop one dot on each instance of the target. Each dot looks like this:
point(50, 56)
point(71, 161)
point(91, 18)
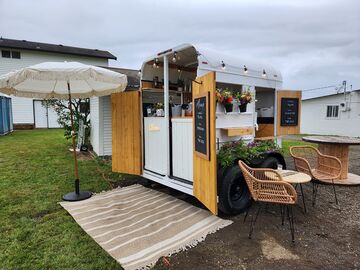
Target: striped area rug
point(138, 225)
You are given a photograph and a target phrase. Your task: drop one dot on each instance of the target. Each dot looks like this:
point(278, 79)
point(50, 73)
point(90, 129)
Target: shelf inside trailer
point(232, 113)
point(160, 90)
point(238, 131)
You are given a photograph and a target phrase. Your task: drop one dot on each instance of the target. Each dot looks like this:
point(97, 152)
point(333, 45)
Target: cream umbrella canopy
point(63, 80)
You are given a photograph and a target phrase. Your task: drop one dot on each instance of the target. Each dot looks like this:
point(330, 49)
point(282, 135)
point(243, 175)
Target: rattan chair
point(267, 185)
point(322, 168)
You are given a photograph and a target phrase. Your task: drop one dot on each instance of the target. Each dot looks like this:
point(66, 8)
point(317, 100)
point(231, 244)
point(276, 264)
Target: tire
point(234, 195)
point(270, 162)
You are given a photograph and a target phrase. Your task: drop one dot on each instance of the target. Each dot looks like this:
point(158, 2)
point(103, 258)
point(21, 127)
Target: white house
point(331, 113)
point(17, 54)
point(100, 115)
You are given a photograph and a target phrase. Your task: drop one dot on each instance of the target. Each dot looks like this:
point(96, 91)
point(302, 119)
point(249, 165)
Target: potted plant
point(244, 98)
point(159, 109)
point(225, 97)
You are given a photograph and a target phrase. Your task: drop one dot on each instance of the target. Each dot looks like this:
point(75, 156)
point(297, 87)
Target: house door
point(44, 117)
point(40, 115)
point(204, 155)
point(126, 132)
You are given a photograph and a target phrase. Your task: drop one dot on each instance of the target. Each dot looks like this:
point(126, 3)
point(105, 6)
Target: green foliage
point(61, 107)
point(231, 152)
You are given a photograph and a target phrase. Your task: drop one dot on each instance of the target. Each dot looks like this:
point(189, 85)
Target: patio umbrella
point(63, 80)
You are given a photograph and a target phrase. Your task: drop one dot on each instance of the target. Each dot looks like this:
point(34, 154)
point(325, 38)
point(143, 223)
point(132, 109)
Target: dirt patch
point(84, 155)
point(327, 237)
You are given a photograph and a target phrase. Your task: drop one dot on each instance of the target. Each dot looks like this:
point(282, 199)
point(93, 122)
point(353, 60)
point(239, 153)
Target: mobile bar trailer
point(179, 151)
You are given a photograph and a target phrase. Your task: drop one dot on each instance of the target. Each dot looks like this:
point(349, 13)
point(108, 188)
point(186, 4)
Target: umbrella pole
point(77, 195)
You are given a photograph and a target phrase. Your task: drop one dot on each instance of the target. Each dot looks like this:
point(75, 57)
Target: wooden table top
point(332, 139)
point(292, 177)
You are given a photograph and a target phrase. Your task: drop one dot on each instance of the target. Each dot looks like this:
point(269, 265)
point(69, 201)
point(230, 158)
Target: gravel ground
point(327, 237)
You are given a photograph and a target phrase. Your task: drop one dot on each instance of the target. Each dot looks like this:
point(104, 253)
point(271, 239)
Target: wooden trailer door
point(288, 112)
point(204, 164)
point(126, 132)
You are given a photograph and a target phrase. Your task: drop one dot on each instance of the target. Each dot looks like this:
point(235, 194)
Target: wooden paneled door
point(126, 132)
point(282, 129)
point(205, 170)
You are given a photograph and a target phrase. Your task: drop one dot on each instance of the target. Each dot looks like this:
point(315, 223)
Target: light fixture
point(156, 63)
point(264, 73)
point(175, 57)
point(139, 72)
point(245, 70)
point(178, 69)
point(223, 65)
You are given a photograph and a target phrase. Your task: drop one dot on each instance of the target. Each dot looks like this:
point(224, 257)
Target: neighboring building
point(17, 54)
point(100, 115)
point(331, 113)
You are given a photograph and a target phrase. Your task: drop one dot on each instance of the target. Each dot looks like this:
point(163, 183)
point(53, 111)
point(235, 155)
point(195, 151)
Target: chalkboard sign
point(201, 126)
point(289, 111)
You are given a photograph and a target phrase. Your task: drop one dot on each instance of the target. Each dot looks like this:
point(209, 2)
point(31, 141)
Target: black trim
point(153, 172)
point(181, 180)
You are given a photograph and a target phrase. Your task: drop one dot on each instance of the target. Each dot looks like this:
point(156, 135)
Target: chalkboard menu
point(201, 126)
point(289, 111)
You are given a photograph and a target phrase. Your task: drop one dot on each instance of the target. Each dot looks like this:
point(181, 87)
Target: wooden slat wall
point(290, 129)
point(126, 132)
point(205, 171)
point(265, 130)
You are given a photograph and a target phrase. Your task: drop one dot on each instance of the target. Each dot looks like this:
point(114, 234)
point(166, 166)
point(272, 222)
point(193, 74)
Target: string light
point(175, 57)
point(178, 69)
point(156, 63)
point(139, 72)
point(245, 70)
point(264, 73)
point(223, 65)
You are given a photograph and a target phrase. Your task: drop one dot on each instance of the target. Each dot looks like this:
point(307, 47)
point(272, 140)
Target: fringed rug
point(137, 225)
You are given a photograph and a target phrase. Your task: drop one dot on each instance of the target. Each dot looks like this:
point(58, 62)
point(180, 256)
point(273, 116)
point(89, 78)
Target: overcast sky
point(314, 43)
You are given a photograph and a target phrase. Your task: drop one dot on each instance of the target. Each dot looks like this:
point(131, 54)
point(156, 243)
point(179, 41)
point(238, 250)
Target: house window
point(10, 54)
point(5, 54)
point(332, 111)
point(15, 54)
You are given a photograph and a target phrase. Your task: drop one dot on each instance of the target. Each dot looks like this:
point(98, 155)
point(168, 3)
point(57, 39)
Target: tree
point(81, 110)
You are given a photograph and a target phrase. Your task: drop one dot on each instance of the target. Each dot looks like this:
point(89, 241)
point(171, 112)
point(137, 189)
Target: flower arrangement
point(244, 98)
point(226, 98)
point(159, 106)
point(231, 152)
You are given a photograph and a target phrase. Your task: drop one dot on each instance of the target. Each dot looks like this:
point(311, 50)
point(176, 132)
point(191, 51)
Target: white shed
point(331, 113)
point(100, 115)
point(17, 54)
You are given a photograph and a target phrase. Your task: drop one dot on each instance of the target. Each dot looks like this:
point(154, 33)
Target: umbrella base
point(73, 196)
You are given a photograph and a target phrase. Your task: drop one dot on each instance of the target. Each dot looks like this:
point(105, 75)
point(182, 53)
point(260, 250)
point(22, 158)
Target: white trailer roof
point(213, 61)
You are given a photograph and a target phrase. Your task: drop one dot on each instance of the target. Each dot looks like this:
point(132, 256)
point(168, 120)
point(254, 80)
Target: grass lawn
point(35, 232)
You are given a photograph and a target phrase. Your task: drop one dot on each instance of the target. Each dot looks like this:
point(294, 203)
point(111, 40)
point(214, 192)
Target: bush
point(231, 152)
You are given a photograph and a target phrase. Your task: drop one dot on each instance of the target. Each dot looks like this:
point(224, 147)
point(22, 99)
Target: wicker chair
point(266, 185)
point(321, 168)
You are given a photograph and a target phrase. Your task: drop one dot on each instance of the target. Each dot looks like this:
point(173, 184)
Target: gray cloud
point(313, 43)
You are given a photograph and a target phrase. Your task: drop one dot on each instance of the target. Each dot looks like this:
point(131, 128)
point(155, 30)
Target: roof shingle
point(46, 47)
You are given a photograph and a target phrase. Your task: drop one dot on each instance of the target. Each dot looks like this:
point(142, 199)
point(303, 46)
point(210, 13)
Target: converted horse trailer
point(177, 146)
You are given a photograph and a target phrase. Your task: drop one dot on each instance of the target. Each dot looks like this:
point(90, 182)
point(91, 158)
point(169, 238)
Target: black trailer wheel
point(234, 195)
point(270, 162)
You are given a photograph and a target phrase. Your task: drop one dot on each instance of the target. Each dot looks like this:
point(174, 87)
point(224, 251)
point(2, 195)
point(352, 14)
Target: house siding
point(314, 121)
point(107, 126)
point(94, 120)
